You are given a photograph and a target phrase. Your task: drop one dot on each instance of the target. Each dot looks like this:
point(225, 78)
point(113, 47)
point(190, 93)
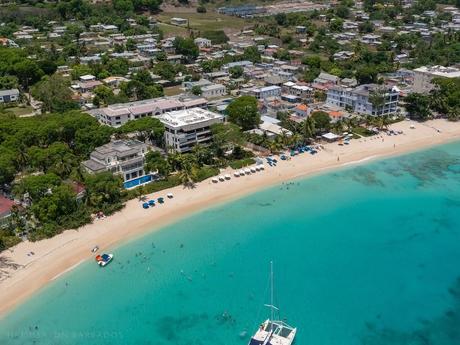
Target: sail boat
point(273, 332)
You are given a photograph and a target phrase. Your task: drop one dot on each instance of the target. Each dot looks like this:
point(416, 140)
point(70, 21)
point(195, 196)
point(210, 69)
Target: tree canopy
point(244, 112)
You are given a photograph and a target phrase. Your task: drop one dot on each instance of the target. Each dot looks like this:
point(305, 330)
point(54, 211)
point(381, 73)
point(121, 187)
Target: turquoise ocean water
point(369, 254)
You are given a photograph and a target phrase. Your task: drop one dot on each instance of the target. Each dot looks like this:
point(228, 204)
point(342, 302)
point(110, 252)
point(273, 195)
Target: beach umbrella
point(221, 178)
point(247, 171)
point(227, 177)
point(215, 180)
point(236, 174)
point(241, 172)
point(170, 195)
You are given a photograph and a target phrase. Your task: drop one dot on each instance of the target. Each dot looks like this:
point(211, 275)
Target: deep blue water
point(366, 255)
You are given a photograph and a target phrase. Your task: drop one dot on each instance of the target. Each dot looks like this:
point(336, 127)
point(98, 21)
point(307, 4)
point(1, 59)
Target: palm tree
point(64, 166)
point(386, 121)
point(175, 160)
point(453, 114)
point(283, 138)
point(308, 128)
point(338, 126)
point(78, 174)
point(369, 121)
point(202, 154)
point(350, 123)
point(188, 174)
point(438, 101)
point(296, 139)
point(378, 122)
point(22, 158)
point(275, 146)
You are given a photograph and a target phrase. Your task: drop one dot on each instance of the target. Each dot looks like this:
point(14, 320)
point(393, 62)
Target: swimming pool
point(138, 181)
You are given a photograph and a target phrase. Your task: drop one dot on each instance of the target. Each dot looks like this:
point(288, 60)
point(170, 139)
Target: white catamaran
point(273, 332)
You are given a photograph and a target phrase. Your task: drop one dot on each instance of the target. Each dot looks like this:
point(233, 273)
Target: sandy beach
point(55, 256)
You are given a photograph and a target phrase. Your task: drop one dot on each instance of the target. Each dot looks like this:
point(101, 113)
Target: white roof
point(269, 119)
point(187, 117)
point(441, 71)
point(87, 77)
point(330, 136)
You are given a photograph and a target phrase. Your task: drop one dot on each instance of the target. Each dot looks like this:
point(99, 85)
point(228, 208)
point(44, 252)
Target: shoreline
point(56, 256)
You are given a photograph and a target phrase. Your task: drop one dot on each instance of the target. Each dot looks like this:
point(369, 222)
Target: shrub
point(241, 163)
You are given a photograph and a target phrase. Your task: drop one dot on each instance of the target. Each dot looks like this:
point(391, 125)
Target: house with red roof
point(6, 205)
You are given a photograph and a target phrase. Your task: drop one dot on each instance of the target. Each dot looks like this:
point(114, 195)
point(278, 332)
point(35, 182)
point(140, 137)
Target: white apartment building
point(187, 128)
point(304, 92)
point(359, 99)
point(424, 75)
point(265, 92)
point(115, 115)
point(123, 157)
point(213, 90)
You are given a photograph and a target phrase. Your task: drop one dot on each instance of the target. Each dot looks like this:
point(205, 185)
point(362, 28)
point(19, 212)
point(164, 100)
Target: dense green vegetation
point(216, 36)
point(243, 111)
point(444, 99)
point(38, 13)
point(40, 157)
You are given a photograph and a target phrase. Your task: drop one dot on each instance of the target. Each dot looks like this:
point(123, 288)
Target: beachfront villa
point(424, 75)
point(122, 157)
point(186, 128)
point(359, 99)
point(116, 115)
point(6, 206)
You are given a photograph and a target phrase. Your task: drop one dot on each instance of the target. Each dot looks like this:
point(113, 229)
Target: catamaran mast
point(271, 289)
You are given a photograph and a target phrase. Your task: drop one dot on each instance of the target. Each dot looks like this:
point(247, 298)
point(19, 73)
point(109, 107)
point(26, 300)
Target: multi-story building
point(213, 90)
point(370, 99)
point(424, 75)
point(324, 81)
point(187, 128)
point(266, 92)
point(305, 93)
point(115, 115)
point(123, 157)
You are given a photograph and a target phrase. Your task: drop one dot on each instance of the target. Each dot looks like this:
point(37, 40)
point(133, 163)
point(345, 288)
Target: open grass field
point(173, 90)
point(201, 22)
point(172, 30)
point(21, 111)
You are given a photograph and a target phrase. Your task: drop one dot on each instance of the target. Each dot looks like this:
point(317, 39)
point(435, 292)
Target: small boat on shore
point(104, 259)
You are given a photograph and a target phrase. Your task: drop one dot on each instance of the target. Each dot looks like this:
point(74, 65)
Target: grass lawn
point(362, 131)
point(172, 30)
point(173, 90)
point(201, 22)
point(21, 111)
point(238, 164)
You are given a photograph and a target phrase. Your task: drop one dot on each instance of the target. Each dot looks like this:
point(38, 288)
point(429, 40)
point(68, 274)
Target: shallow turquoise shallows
point(369, 254)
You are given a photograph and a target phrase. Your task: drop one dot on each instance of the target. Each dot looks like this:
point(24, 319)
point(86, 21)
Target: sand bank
point(55, 256)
